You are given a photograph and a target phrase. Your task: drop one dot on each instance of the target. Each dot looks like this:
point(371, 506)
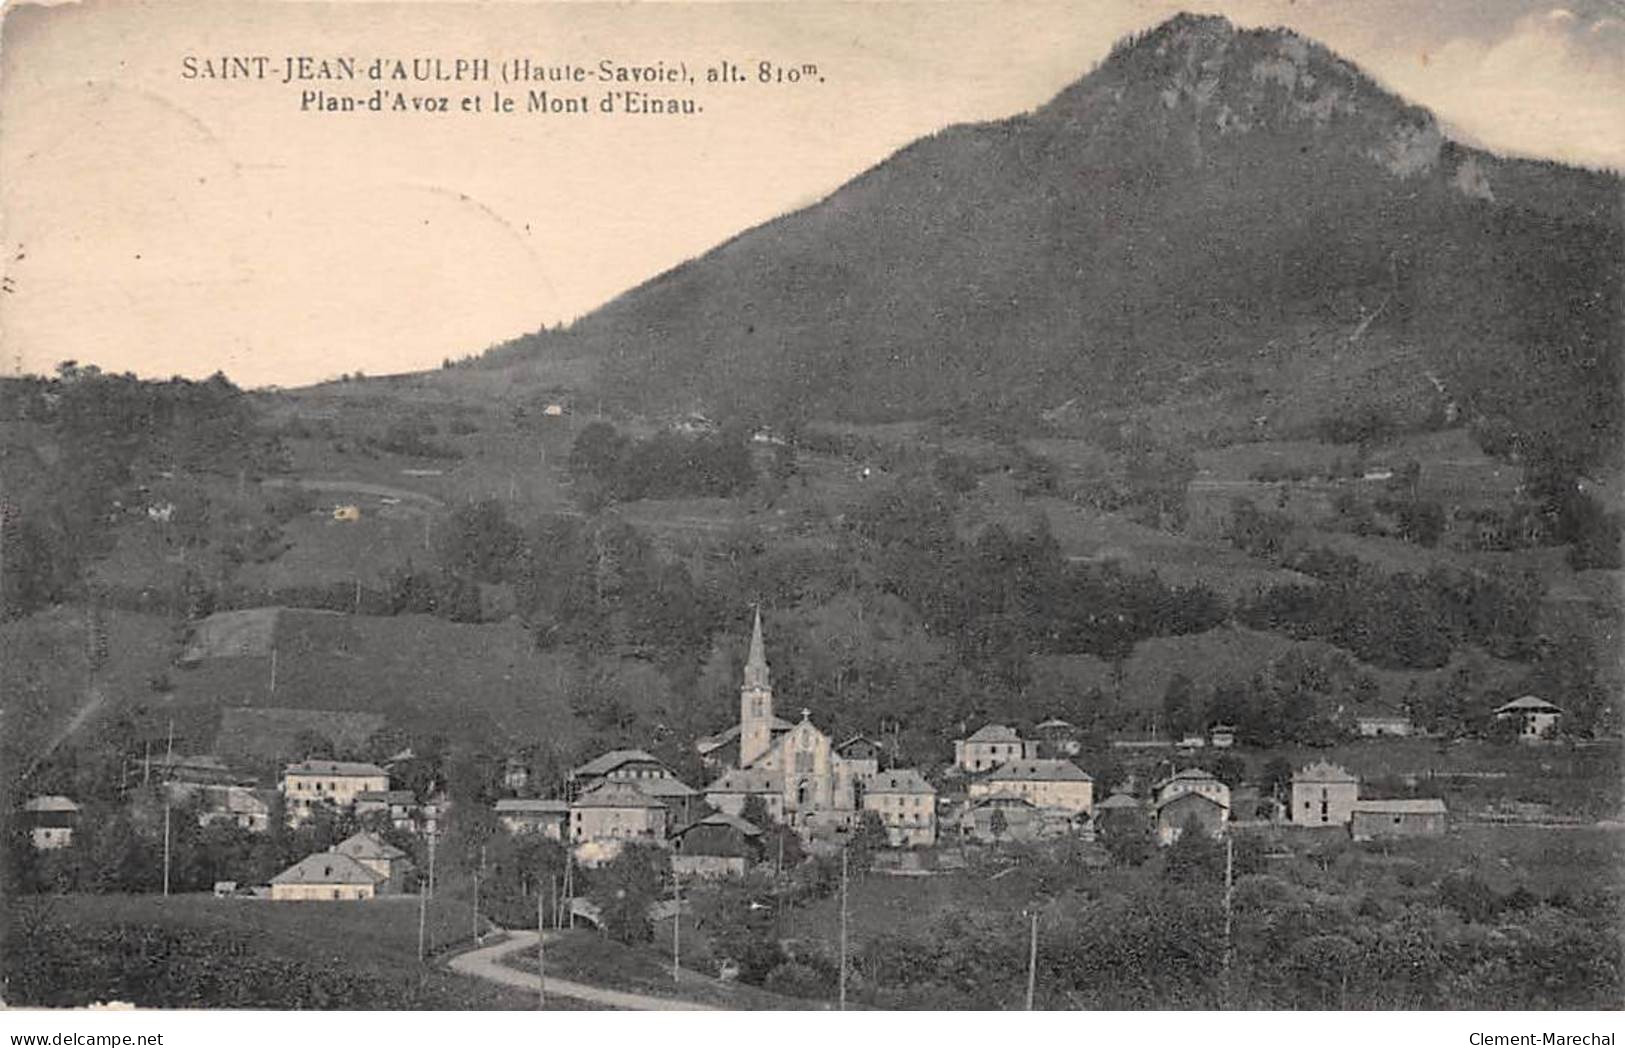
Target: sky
point(166, 225)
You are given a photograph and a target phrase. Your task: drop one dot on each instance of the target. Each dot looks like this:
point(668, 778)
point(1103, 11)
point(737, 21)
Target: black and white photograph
point(885, 507)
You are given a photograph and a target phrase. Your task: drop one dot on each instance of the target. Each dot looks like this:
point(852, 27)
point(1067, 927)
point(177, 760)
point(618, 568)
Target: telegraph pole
point(1032, 962)
point(541, 947)
point(676, 924)
point(843, 929)
point(1229, 893)
point(166, 840)
point(423, 913)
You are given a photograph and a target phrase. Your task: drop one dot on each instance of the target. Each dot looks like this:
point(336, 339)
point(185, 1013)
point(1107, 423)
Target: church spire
point(756, 664)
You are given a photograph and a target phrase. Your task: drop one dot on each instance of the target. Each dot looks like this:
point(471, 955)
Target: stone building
point(1323, 795)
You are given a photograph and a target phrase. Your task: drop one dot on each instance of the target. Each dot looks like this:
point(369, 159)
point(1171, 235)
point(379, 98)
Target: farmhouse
point(523, 815)
point(989, 747)
point(326, 876)
point(311, 783)
point(382, 858)
point(1382, 723)
point(616, 812)
point(51, 821)
point(719, 845)
point(401, 806)
point(1045, 783)
point(618, 766)
point(1222, 736)
point(1535, 718)
point(1181, 810)
point(907, 804)
point(1194, 780)
point(730, 792)
point(1323, 795)
point(679, 797)
point(1120, 810)
point(1055, 738)
point(240, 806)
point(1005, 818)
point(1422, 817)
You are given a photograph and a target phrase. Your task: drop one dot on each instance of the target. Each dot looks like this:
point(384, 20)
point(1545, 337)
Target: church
point(804, 779)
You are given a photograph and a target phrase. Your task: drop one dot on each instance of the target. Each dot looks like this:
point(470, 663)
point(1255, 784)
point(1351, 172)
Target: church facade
point(797, 771)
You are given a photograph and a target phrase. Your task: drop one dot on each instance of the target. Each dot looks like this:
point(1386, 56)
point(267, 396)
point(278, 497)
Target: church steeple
point(755, 700)
point(756, 663)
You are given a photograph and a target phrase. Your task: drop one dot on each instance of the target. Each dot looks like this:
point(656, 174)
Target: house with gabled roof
point(1407, 817)
point(733, 788)
point(906, 803)
point(1046, 783)
point(618, 766)
point(612, 813)
point(533, 815)
point(1323, 794)
point(988, 747)
point(1536, 718)
point(51, 821)
point(326, 876)
point(719, 845)
point(383, 858)
point(1178, 812)
point(1194, 780)
point(310, 783)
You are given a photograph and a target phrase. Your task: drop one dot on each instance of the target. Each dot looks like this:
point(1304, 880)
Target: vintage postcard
point(824, 507)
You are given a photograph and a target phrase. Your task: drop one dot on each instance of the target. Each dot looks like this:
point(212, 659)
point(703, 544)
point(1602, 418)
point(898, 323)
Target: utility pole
point(423, 914)
point(1032, 962)
point(273, 668)
point(569, 885)
point(1229, 892)
point(843, 929)
point(432, 835)
point(676, 924)
point(477, 895)
point(166, 841)
point(541, 948)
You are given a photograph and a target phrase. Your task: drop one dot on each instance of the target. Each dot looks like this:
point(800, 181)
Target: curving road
point(486, 963)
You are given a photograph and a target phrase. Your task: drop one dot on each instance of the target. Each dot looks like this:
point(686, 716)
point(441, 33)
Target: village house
point(994, 820)
point(391, 863)
point(326, 876)
point(988, 747)
point(1194, 780)
point(524, 815)
point(51, 821)
point(1222, 736)
point(731, 792)
point(862, 754)
point(1055, 738)
point(682, 800)
point(606, 817)
point(617, 766)
point(224, 805)
point(1536, 719)
point(515, 775)
point(719, 845)
point(1421, 817)
point(1120, 810)
point(1056, 784)
point(401, 806)
point(1378, 724)
point(1323, 795)
point(907, 804)
point(1178, 811)
point(310, 783)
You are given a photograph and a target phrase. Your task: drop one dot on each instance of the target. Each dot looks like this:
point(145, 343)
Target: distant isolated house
point(1181, 810)
point(1194, 780)
point(515, 774)
point(1222, 736)
point(719, 845)
point(1044, 783)
point(1536, 718)
point(906, 803)
point(1382, 723)
point(989, 747)
point(1323, 795)
point(1423, 817)
point(381, 857)
point(524, 815)
point(51, 821)
point(326, 876)
point(309, 784)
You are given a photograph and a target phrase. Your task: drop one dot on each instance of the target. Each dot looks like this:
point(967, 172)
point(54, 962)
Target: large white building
point(309, 784)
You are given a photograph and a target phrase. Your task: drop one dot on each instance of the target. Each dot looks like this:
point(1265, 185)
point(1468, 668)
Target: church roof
point(747, 781)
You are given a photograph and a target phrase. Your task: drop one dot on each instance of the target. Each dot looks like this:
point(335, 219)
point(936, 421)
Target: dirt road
point(487, 964)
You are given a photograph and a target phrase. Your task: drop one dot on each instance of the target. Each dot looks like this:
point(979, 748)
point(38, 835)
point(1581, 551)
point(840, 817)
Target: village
point(1004, 785)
